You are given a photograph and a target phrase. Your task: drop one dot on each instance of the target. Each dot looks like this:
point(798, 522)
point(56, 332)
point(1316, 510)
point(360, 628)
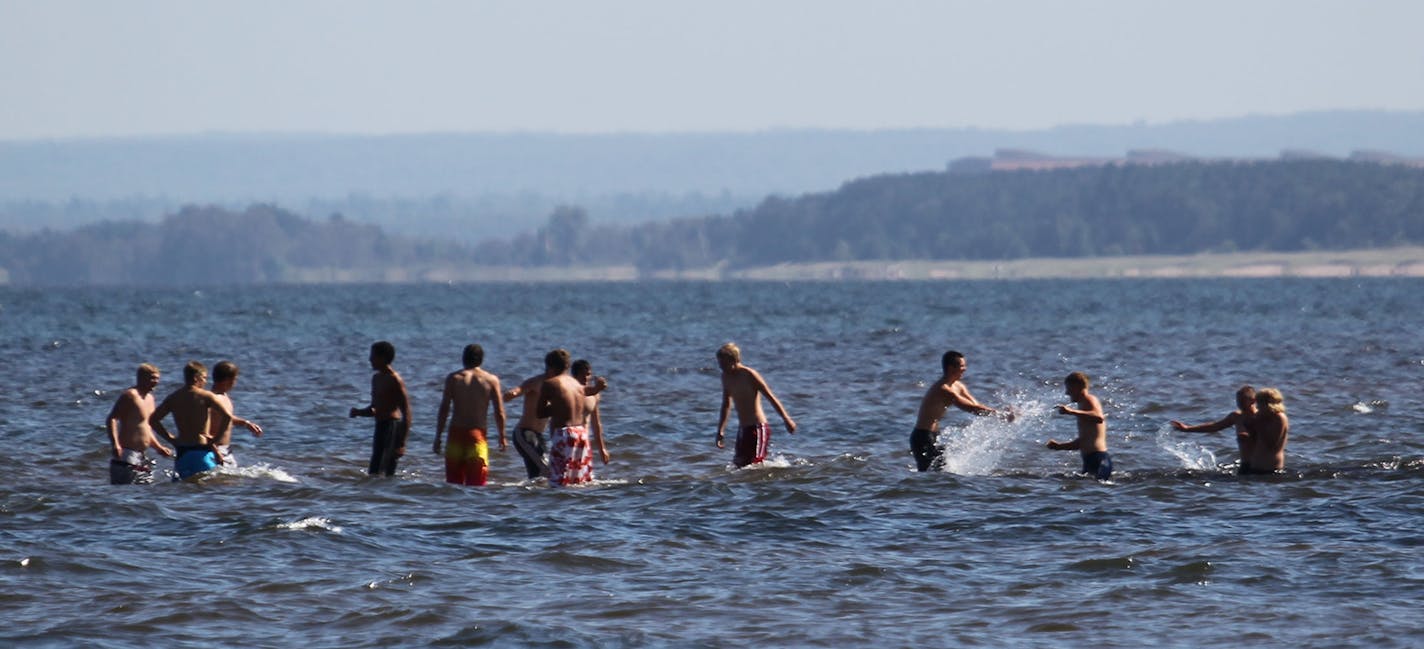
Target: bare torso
point(387, 395)
point(529, 418)
point(469, 392)
point(129, 419)
point(220, 427)
point(742, 385)
point(1092, 433)
point(1269, 431)
point(190, 407)
point(562, 399)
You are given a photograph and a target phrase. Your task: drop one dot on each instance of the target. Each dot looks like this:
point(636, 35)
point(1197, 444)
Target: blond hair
point(1270, 400)
point(730, 351)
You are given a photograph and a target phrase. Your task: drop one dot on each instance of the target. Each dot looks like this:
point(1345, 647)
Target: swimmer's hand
point(1063, 410)
point(719, 440)
point(1181, 427)
point(164, 451)
point(252, 426)
point(790, 426)
point(1009, 414)
point(604, 453)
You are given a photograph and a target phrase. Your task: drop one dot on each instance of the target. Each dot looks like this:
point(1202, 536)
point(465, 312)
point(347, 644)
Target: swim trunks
point(385, 446)
point(530, 444)
point(132, 468)
point(570, 456)
point(467, 457)
point(752, 442)
point(1098, 464)
point(924, 445)
point(193, 460)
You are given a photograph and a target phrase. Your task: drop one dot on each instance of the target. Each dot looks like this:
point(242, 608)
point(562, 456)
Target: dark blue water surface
point(834, 542)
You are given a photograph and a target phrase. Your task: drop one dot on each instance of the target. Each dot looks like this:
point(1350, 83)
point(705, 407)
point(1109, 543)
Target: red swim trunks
point(752, 442)
point(570, 456)
point(467, 457)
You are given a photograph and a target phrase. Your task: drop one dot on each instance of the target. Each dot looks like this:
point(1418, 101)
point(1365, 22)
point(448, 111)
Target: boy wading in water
point(1092, 439)
point(947, 391)
point(390, 405)
point(130, 435)
point(742, 387)
point(469, 394)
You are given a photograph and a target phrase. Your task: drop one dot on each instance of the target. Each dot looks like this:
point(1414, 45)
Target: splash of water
point(979, 448)
point(1191, 454)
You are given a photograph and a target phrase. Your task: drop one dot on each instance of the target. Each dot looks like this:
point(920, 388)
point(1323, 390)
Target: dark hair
point(192, 370)
point(1077, 379)
point(1245, 396)
point(950, 359)
point(224, 370)
point(383, 350)
point(580, 366)
point(557, 360)
point(474, 355)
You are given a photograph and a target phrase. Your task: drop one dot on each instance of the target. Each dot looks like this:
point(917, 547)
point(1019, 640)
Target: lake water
point(833, 542)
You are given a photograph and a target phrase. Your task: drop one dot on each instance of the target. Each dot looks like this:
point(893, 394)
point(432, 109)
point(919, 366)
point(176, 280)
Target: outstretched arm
point(1222, 424)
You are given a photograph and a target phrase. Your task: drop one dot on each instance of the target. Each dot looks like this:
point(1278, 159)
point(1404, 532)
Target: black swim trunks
point(924, 445)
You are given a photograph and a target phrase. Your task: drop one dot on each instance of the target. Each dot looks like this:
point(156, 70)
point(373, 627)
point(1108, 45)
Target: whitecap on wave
point(258, 471)
point(311, 523)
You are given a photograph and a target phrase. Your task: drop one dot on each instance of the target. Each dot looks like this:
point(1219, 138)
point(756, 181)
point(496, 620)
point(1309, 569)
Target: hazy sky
point(101, 67)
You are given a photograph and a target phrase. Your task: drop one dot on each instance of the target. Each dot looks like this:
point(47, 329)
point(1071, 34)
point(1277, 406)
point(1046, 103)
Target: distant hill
point(1106, 210)
point(469, 187)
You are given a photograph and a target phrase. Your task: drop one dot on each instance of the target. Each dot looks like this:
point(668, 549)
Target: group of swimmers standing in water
point(564, 399)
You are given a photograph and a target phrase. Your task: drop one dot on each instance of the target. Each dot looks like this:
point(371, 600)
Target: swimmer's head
point(581, 369)
point(194, 373)
point(146, 371)
point(731, 352)
point(1270, 400)
point(1077, 381)
point(224, 370)
point(557, 360)
point(384, 352)
point(1245, 397)
point(952, 362)
point(474, 356)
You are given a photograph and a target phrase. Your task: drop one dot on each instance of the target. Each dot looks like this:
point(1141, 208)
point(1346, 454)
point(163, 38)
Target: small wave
point(258, 471)
point(310, 523)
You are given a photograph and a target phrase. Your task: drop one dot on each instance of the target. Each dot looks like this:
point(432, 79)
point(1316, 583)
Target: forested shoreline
point(1106, 211)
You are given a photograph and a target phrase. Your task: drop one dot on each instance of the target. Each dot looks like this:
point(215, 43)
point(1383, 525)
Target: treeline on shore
point(1111, 210)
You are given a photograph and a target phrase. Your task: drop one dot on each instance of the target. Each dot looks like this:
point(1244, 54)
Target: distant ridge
point(292, 168)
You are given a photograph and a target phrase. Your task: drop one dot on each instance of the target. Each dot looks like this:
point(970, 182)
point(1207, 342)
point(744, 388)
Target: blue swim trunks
point(193, 460)
point(1098, 464)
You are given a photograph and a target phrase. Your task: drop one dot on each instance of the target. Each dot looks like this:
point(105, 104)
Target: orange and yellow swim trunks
point(467, 457)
